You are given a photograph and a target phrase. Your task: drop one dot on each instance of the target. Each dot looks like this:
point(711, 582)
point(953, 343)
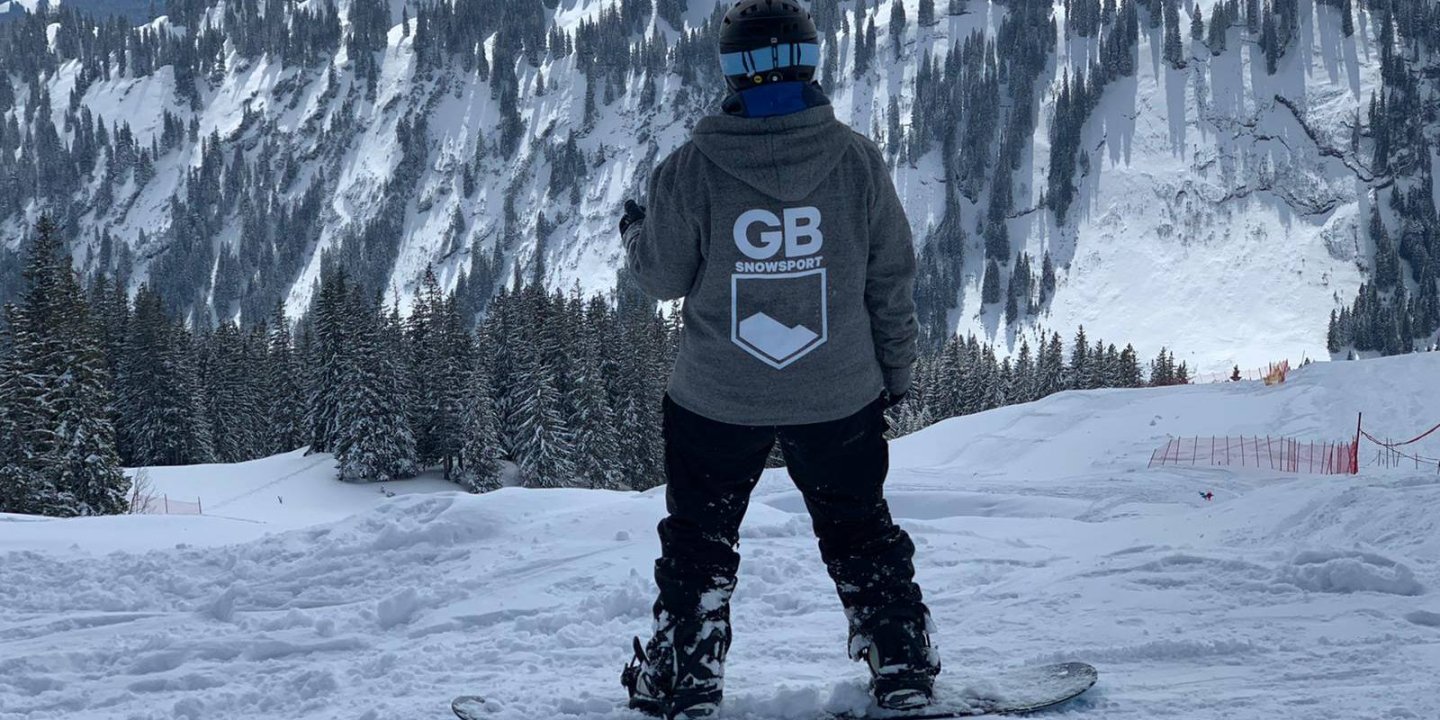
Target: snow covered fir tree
point(57, 439)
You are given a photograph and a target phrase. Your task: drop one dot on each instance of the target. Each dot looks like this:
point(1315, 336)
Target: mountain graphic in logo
point(773, 338)
point(779, 318)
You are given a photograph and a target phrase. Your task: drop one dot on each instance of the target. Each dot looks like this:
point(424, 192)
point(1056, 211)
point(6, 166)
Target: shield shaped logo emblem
point(779, 317)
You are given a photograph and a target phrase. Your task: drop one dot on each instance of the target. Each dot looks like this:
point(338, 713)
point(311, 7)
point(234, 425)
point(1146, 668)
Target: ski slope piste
point(1042, 538)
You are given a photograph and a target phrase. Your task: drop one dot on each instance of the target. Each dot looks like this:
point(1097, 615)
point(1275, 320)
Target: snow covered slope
point(1041, 536)
point(1222, 212)
point(1212, 220)
point(290, 490)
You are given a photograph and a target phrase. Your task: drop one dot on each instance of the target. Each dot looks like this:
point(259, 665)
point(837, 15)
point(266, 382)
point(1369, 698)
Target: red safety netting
point(1272, 374)
point(1261, 453)
point(1389, 454)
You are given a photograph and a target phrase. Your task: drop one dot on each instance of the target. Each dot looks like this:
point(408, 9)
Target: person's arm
point(890, 280)
point(662, 245)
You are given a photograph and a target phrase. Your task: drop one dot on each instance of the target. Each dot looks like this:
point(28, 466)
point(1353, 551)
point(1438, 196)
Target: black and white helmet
point(768, 41)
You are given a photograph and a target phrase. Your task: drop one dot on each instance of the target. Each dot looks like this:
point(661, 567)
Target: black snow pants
point(839, 467)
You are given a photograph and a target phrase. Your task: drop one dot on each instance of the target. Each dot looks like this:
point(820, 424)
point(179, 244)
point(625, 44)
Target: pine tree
point(1219, 29)
point(1081, 374)
point(1047, 279)
point(86, 464)
point(862, 47)
point(1387, 260)
point(1131, 375)
point(897, 27)
point(285, 396)
point(456, 362)
point(893, 139)
point(161, 407)
point(597, 446)
point(422, 346)
point(1163, 370)
point(1050, 368)
point(1174, 51)
point(375, 443)
point(635, 394)
point(926, 15)
point(1022, 389)
point(59, 456)
point(110, 306)
point(830, 67)
point(545, 454)
point(990, 286)
point(480, 443)
point(1269, 41)
point(230, 396)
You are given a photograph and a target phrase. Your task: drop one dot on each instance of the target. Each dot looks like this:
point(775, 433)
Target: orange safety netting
point(1261, 453)
point(164, 505)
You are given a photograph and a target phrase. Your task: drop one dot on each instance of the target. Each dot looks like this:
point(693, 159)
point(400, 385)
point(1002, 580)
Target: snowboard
point(1008, 692)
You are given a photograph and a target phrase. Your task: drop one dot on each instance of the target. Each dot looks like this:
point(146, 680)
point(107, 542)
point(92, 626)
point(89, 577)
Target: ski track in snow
point(1041, 537)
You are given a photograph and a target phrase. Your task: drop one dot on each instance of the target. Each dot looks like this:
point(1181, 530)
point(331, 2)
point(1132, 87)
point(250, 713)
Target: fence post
point(167, 503)
point(199, 506)
point(1355, 456)
point(1227, 451)
point(1269, 452)
point(1257, 451)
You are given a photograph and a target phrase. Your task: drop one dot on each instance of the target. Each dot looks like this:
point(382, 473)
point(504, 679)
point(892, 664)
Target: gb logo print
point(778, 311)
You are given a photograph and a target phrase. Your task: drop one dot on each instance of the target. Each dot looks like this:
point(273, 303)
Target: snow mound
point(1424, 618)
point(1349, 572)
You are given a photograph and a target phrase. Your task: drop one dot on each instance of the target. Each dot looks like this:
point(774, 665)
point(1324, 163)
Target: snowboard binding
point(903, 664)
point(678, 681)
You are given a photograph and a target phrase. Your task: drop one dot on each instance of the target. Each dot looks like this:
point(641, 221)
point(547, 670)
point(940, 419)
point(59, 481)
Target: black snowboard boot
point(902, 662)
point(680, 674)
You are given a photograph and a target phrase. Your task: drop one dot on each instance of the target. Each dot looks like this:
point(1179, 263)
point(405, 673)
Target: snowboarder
point(781, 229)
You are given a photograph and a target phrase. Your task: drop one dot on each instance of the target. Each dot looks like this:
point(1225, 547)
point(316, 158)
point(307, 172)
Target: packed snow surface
point(1042, 537)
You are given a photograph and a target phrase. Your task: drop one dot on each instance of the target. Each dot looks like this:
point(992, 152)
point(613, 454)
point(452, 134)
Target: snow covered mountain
point(1217, 207)
point(1040, 535)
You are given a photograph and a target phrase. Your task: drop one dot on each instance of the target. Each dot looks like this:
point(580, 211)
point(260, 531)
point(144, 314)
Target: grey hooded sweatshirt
point(788, 242)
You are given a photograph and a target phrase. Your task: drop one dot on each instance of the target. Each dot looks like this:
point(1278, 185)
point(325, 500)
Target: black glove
point(633, 214)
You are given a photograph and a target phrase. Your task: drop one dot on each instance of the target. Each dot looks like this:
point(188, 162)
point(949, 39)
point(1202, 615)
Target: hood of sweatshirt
point(785, 157)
